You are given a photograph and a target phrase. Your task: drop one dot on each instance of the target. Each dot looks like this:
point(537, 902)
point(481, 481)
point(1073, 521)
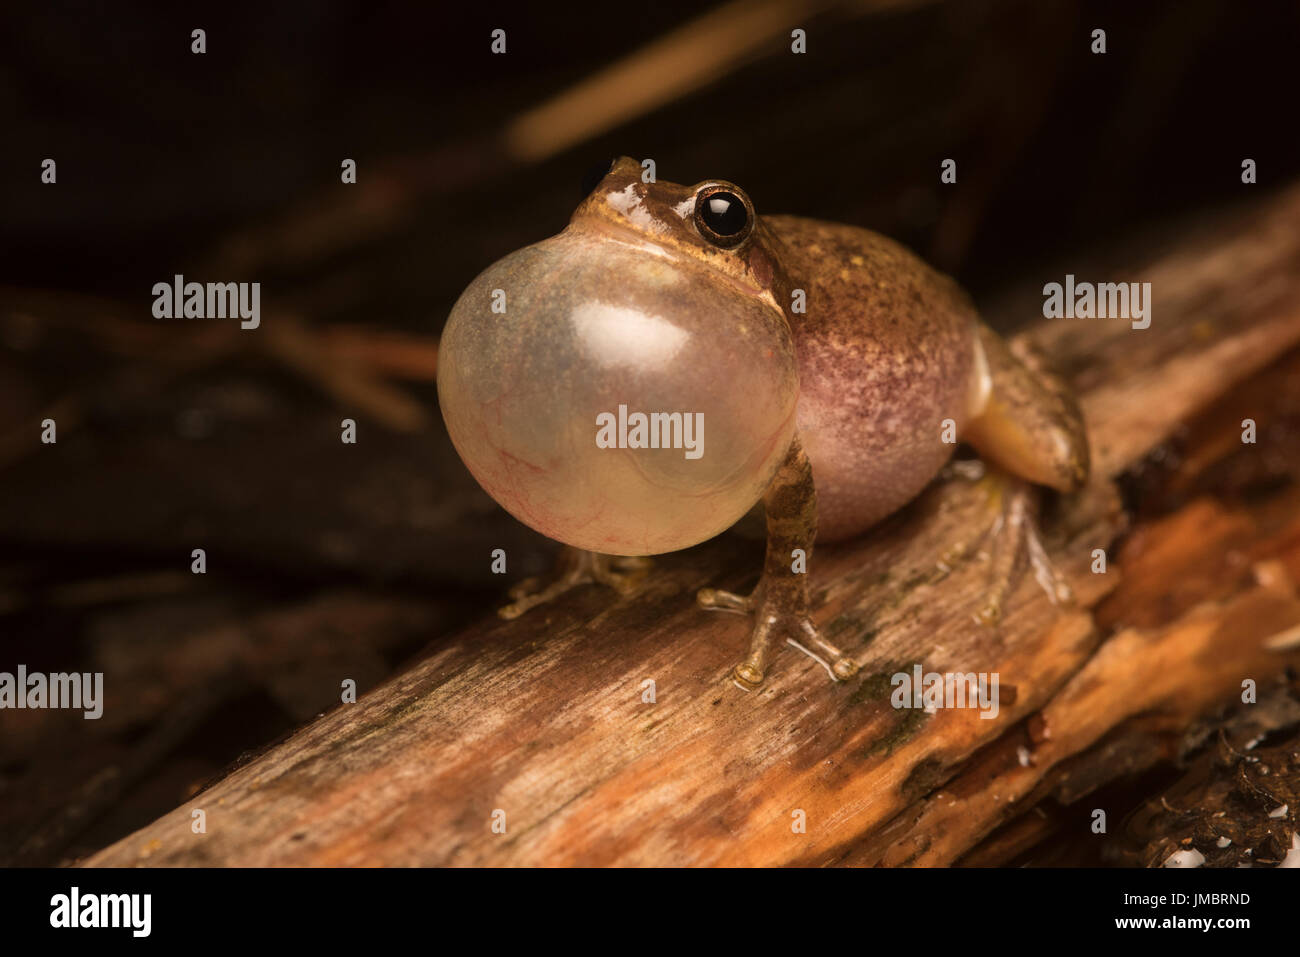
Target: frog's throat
point(610, 231)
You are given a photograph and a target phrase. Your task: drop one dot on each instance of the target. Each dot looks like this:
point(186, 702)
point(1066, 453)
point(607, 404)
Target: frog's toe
point(624, 574)
point(781, 615)
point(532, 592)
point(808, 639)
point(749, 677)
point(631, 563)
point(1015, 539)
point(714, 599)
point(576, 567)
point(523, 589)
point(1046, 574)
point(844, 669)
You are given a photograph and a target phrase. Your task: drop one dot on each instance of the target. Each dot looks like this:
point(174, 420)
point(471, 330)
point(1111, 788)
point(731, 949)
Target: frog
point(831, 371)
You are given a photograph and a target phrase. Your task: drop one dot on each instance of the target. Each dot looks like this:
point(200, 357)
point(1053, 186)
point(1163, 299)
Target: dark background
point(327, 561)
point(161, 152)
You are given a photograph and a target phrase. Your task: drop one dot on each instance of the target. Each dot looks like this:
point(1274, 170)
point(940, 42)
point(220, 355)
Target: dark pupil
point(724, 213)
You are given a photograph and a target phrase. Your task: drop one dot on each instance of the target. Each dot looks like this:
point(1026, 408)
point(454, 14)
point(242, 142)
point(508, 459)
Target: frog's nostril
point(595, 173)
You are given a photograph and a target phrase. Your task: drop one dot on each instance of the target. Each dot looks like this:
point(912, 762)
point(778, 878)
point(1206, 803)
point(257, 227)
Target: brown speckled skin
point(886, 353)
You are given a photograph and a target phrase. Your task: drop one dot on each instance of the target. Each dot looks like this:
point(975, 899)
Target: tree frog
point(671, 361)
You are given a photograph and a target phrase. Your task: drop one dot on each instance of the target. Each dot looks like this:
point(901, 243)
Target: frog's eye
point(595, 173)
point(723, 216)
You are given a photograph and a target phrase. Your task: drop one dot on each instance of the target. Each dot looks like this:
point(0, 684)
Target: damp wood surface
point(544, 718)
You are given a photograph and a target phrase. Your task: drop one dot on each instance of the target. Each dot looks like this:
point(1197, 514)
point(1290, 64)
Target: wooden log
point(1232, 807)
point(547, 721)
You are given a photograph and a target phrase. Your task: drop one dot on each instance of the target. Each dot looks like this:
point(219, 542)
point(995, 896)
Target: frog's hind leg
point(1028, 422)
point(780, 600)
point(575, 567)
point(1029, 429)
point(1015, 537)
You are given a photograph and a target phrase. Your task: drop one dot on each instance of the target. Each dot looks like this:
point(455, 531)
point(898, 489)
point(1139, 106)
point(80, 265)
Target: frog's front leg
point(574, 567)
point(1029, 429)
point(780, 600)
